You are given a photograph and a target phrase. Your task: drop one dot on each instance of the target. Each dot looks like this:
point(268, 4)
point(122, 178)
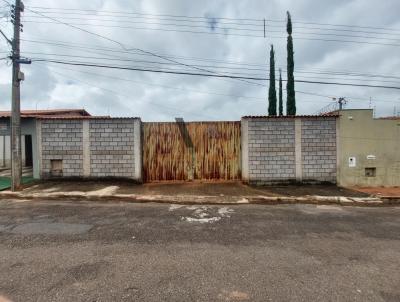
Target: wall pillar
point(86, 147)
point(3, 145)
point(338, 155)
point(298, 155)
point(137, 149)
point(245, 149)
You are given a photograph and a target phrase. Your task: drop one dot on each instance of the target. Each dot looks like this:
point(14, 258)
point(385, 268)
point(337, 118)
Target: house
point(28, 132)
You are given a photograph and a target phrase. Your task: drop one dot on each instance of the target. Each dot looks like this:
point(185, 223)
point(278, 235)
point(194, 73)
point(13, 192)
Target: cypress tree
point(272, 89)
point(291, 95)
point(280, 93)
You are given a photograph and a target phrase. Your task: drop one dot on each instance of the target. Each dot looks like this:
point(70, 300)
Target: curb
point(189, 199)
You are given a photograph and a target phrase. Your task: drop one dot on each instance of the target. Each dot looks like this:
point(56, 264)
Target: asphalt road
point(69, 251)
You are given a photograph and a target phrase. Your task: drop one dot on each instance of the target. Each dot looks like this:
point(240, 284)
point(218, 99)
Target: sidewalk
point(193, 193)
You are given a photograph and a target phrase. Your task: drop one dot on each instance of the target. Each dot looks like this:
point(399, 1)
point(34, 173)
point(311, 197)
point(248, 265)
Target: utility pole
point(17, 77)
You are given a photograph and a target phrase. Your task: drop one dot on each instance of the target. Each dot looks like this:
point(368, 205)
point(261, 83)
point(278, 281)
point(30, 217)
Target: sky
point(217, 37)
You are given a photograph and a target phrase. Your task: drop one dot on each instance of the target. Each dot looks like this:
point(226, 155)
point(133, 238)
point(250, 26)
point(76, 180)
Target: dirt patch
point(379, 191)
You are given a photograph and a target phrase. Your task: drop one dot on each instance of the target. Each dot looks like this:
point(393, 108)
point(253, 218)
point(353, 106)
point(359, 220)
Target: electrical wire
point(214, 28)
point(210, 75)
point(124, 47)
point(184, 89)
point(86, 48)
point(96, 12)
point(225, 70)
point(154, 104)
point(232, 34)
point(256, 25)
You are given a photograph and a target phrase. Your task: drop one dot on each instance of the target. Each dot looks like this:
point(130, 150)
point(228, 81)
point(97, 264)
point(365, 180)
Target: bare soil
point(380, 191)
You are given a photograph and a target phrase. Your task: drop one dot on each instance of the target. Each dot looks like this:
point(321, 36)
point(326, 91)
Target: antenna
point(342, 101)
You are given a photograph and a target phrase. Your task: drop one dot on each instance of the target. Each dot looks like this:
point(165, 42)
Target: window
point(370, 172)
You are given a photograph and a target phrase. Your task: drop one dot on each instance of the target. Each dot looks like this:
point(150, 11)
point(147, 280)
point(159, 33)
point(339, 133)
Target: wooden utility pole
point(17, 77)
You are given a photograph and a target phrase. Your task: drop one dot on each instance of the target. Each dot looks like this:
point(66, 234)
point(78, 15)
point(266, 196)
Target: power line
point(197, 32)
point(198, 68)
point(212, 75)
point(259, 23)
point(151, 23)
point(127, 19)
point(232, 34)
point(219, 28)
point(115, 41)
point(354, 76)
point(225, 70)
point(71, 11)
point(123, 46)
point(184, 89)
point(172, 109)
point(170, 87)
point(86, 48)
point(256, 25)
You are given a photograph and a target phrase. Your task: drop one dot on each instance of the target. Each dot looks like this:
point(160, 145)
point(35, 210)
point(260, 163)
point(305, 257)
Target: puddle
point(50, 228)
point(204, 214)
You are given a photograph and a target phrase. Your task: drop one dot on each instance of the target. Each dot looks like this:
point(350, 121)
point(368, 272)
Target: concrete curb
point(190, 199)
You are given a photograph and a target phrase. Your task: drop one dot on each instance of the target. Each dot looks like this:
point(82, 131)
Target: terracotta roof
point(290, 116)
point(97, 117)
point(51, 112)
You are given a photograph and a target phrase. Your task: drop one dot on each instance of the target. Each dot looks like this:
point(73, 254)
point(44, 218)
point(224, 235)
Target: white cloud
point(104, 94)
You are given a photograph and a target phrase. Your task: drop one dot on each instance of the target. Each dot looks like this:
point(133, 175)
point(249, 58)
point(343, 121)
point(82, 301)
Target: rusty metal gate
point(190, 151)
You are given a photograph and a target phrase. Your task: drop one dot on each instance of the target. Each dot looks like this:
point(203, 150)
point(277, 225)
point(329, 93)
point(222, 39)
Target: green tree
point(280, 93)
point(291, 94)
point(272, 90)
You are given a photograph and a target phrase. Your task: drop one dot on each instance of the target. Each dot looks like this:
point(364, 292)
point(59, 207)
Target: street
point(81, 251)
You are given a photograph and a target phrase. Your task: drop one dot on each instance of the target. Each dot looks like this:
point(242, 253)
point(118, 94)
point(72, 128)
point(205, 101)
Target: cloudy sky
point(210, 36)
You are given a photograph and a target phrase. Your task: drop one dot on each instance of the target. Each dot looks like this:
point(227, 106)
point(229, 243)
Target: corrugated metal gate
point(194, 150)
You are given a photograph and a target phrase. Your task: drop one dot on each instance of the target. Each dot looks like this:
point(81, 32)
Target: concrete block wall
point(318, 147)
point(62, 139)
point(112, 148)
point(109, 147)
point(271, 150)
point(287, 149)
